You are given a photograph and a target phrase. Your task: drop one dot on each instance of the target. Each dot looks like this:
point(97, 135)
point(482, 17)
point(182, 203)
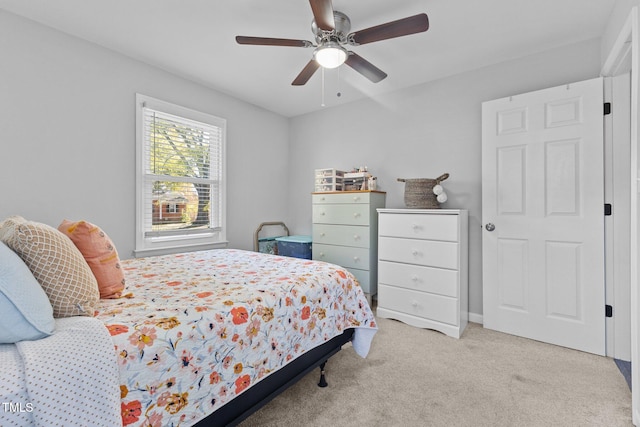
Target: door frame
point(623, 57)
point(617, 127)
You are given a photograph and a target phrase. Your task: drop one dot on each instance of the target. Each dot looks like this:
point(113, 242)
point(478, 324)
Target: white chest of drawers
point(423, 268)
point(345, 231)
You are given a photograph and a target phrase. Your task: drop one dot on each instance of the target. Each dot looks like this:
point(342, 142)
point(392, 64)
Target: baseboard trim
point(475, 318)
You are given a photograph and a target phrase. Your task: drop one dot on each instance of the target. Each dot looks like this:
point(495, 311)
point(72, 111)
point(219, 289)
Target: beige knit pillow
point(56, 263)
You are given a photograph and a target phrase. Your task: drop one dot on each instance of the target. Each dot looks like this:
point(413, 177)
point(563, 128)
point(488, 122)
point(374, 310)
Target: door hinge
point(608, 311)
point(607, 108)
point(607, 209)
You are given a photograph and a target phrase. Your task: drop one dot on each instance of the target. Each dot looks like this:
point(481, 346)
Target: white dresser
point(423, 268)
point(345, 231)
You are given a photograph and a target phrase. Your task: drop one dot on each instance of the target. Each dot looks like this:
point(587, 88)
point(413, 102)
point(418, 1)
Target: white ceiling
point(196, 39)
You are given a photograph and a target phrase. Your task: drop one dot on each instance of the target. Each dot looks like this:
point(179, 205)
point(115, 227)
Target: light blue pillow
point(26, 311)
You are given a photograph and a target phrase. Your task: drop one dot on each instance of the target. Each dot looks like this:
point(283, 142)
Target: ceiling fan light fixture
point(330, 55)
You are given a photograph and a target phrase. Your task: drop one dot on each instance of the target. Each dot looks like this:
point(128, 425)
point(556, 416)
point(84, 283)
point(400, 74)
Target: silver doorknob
point(490, 227)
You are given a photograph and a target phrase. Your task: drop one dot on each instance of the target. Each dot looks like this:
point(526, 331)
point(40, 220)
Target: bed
point(205, 338)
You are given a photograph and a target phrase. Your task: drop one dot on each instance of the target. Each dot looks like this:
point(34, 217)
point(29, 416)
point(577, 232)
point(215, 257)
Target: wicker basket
point(418, 192)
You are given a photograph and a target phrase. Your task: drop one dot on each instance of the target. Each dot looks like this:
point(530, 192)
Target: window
point(180, 178)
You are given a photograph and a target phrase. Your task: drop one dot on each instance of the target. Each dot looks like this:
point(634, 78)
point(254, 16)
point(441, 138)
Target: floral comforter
point(202, 327)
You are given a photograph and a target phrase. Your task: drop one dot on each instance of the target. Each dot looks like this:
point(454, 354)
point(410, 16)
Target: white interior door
point(542, 208)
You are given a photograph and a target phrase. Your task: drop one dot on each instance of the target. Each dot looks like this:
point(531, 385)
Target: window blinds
point(182, 175)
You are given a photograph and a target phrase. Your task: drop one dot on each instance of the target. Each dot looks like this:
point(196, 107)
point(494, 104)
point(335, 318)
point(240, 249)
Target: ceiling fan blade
point(306, 73)
point(323, 14)
point(402, 27)
point(365, 67)
point(267, 41)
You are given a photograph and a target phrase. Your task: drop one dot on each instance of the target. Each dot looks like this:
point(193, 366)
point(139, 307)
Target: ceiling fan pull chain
point(322, 71)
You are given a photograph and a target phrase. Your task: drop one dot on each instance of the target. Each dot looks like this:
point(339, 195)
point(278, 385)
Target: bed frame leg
point(323, 381)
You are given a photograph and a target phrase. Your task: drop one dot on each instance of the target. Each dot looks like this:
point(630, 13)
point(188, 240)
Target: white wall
point(424, 131)
point(67, 141)
point(615, 22)
point(67, 136)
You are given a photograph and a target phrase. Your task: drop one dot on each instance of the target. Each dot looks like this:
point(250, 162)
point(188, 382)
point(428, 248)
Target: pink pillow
point(100, 253)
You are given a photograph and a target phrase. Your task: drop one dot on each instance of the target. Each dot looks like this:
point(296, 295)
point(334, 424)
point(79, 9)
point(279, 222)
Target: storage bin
point(418, 192)
point(356, 181)
point(294, 246)
point(323, 188)
point(268, 245)
point(330, 172)
point(328, 180)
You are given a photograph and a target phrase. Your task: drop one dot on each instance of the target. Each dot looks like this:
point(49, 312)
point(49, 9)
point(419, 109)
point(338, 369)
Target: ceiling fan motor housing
point(339, 34)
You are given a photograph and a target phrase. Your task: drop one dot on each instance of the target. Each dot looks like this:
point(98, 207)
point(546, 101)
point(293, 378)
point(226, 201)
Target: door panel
point(562, 166)
point(563, 282)
point(511, 180)
point(512, 280)
point(542, 190)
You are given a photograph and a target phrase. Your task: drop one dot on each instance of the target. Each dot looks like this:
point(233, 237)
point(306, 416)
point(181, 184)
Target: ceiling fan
point(331, 29)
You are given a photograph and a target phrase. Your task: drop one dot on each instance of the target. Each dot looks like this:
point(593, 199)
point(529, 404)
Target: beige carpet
point(417, 377)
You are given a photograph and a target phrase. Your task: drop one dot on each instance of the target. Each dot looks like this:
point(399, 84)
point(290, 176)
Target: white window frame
point(209, 239)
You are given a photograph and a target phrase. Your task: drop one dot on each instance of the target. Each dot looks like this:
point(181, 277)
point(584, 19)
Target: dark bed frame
point(258, 395)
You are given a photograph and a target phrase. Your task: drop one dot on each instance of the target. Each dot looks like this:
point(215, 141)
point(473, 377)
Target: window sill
point(140, 253)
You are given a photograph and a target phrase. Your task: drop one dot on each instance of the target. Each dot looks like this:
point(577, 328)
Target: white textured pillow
point(26, 311)
point(56, 263)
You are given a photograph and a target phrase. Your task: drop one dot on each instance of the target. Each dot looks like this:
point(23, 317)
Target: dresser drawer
point(323, 199)
point(422, 252)
point(342, 255)
point(427, 279)
point(435, 307)
point(419, 226)
point(348, 214)
point(343, 235)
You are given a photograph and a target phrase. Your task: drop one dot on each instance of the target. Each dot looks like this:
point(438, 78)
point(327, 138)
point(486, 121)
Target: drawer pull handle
point(415, 252)
point(415, 227)
point(414, 278)
point(321, 254)
point(414, 304)
point(322, 213)
point(356, 198)
point(356, 237)
point(356, 215)
point(322, 234)
point(356, 258)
